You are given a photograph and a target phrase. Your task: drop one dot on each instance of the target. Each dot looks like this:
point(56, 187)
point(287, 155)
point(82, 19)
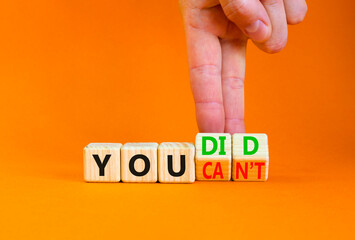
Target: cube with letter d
point(250, 157)
point(213, 156)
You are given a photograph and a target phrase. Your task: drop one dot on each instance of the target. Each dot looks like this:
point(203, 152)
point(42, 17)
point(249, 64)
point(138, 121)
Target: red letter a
point(218, 171)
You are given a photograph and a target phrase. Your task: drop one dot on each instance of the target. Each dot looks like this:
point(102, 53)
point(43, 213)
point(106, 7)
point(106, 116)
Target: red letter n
point(244, 173)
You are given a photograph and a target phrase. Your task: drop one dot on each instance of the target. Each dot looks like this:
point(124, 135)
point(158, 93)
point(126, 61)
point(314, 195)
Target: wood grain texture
point(149, 150)
point(112, 172)
point(253, 167)
point(216, 166)
point(176, 150)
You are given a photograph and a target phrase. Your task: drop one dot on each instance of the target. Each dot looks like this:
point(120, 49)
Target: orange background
point(75, 72)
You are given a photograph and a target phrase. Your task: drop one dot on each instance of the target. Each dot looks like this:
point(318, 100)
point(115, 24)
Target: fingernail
point(257, 31)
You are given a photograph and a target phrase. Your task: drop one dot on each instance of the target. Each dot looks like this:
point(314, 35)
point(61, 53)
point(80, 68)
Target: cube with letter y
point(213, 156)
point(139, 162)
point(102, 162)
point(250, 157)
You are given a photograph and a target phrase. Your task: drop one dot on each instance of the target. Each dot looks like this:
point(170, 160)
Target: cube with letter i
point(250, 157)
point(102, 162)
point(176, 162)
point(213, 156)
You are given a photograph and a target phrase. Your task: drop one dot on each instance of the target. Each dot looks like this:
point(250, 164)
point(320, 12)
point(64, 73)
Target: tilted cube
point(213, 156)
point(250, 157)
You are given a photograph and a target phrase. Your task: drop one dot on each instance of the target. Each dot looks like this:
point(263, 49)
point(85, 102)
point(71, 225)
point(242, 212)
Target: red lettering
point(218, 171)
point(204, 170)
point(244, 173)
point(259, 164)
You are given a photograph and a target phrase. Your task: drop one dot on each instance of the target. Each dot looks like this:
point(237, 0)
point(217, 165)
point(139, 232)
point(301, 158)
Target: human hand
point(217, 32)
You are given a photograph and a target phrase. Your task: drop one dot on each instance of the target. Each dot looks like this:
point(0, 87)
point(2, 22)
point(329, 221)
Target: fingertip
point(295, 11)
point(235, 126)
point(250, 16)
point(210, 117)
point(274, 46)
point(297, 16)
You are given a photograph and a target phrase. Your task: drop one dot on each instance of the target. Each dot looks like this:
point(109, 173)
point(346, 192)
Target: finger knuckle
point(233, 82)
point(207, 70)
point(209, 104)
point(235, 120)
point(271, 3)
point(234, 8)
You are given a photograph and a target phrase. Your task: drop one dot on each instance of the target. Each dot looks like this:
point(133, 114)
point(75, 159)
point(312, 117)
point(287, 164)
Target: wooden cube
point(139, 162)
point(250, 157)
point(176, 162)
point(102, 162)
point(213, 156)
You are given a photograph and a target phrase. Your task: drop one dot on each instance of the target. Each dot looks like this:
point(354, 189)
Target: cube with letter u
point(176, 162)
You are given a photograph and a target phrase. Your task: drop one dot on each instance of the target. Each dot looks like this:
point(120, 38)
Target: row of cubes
point(214, 157)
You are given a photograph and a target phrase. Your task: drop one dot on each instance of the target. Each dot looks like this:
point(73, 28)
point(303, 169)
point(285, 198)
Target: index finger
point(204, 53)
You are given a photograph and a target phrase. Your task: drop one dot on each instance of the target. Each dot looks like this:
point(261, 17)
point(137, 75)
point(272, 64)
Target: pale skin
point(217, 32)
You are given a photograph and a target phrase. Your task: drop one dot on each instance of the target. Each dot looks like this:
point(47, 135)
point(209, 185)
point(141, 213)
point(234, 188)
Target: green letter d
point(256, 145)
point(214, 148)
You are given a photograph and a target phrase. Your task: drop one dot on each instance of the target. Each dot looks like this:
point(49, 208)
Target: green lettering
point(222, 139)
point(256, 145)
point(204, 145)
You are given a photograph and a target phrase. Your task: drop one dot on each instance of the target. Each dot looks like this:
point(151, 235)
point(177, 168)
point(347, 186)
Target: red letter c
point(204, 170)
